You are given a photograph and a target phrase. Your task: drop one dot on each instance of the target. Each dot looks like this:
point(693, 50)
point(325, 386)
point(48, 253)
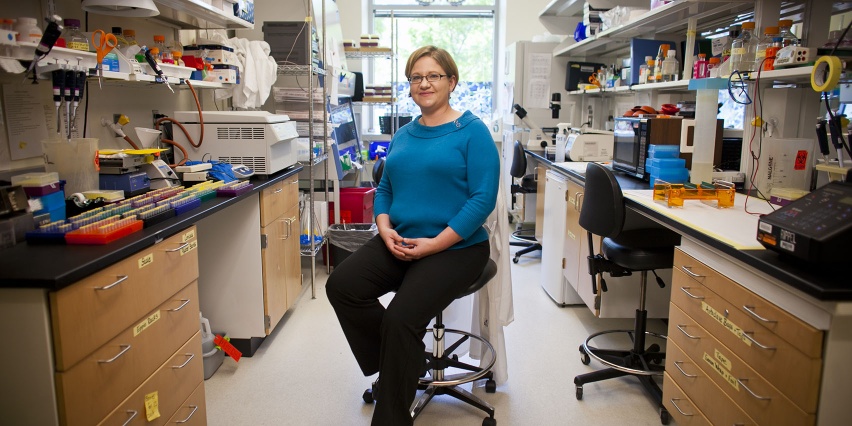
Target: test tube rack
point(719, 194)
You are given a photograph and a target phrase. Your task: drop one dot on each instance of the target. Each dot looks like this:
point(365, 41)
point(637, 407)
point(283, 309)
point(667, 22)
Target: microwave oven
point(633, 135)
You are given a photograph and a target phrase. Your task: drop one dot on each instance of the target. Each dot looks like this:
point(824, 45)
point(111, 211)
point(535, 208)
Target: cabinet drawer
point(92, 311)
point(193, 411)
point(764, 403)
point(777, 361)
point(89, 390)
point(799, 334)
point(173, 382)
point(277, 199)
point(680, 407)
point(711, 401)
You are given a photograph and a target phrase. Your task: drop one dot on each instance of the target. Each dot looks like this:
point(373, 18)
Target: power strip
point(792, 56)
point(194, 168)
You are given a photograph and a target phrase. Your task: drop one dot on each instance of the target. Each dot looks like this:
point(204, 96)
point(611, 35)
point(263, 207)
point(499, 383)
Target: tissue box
point(226, 74)
point(217, 53)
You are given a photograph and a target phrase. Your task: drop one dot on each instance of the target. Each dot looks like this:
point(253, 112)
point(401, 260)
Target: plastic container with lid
point(670, 67)
point(132, 46)
point(713, 67)
point(744, 49)
point(74, 38)
point(701, 67)
point(734, 32)
point(165, 54)
point(28, 30)
point(769, 33)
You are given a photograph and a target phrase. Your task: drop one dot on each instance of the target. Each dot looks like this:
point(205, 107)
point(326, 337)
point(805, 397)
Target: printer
point(259, 140)
point(588, 145)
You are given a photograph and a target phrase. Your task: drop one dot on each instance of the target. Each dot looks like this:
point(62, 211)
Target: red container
point(356, 205)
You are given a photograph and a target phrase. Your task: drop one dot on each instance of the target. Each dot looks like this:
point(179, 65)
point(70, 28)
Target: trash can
point(345, 238)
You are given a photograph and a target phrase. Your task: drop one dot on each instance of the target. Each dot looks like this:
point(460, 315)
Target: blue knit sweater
point(440, 176)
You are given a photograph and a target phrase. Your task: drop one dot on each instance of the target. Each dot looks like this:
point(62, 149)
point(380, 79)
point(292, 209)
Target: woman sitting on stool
point(438, 187)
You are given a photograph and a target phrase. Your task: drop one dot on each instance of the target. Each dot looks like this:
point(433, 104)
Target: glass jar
point(744, 49)
point(74, 38)
point(165, 55)
point(28, 30)
point(786, 33)
point(769, 33)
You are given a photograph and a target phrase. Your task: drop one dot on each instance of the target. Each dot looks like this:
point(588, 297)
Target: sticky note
point(152, 406)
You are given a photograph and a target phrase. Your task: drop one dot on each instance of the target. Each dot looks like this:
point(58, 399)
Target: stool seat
point(487, 274)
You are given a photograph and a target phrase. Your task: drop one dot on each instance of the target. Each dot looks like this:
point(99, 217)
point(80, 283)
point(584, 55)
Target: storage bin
point(663, 151)
point(345, 238)
point(665, 163)
point(356, 205)
point(679, 175)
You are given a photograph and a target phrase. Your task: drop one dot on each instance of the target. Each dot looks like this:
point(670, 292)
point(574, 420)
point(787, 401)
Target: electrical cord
point(825, 94)
point(755, 159)
point(185, 132)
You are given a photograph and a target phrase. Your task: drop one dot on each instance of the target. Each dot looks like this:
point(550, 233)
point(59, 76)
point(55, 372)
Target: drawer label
point(147, 322)
point(723, 359)
point(146, 260)
point(152, 406)
point(721, 319)
point(188, 236)
point(189, 247)
point(719, 368)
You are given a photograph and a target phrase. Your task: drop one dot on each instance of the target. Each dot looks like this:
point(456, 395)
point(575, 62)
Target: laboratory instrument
point(589, 145)
point(51, 33)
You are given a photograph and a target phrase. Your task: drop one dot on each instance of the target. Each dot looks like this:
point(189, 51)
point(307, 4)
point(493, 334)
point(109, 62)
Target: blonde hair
point(441, 56)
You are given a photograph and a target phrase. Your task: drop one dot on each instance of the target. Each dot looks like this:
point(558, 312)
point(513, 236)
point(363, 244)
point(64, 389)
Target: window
point(467, 31)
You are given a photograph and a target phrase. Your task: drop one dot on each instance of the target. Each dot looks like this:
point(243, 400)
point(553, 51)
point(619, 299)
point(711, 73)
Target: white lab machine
point(259, 140)
point(589, 145)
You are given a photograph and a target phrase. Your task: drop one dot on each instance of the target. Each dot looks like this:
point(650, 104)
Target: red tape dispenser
point(228, 348)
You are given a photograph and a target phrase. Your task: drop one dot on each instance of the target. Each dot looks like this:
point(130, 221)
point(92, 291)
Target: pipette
point(48, 38)
point(58, 86)
point(70, 83)
point(78, 95)
point(153, 63)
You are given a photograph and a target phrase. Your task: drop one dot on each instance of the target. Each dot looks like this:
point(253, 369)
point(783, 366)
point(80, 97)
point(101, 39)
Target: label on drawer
point(152, 406)
point(146, 260)
point(721, 319)
point(190, 246)
point(719, 368)
point(188, 236)
point(723, 359)
point(147, 322)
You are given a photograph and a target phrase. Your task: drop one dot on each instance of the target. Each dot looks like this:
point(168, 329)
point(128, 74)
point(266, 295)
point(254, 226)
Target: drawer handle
point(749, 309)
point(756, 396)
point(191, 356)
point(684, 289)
point(277, 190)
point(133, 414)
point(194, 409)
point(680, 327)
point(185, 302)
point(688, 271)
point(678, 408)
point(677, 364)
point(107, 361)
point(178, 249)
point(761, 346)
point(121, 279)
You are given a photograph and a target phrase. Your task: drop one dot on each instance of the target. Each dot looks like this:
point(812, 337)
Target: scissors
point(594, 80)
point(104, 43)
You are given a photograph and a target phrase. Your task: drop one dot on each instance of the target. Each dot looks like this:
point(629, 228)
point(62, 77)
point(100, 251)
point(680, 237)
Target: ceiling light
point(132, 8)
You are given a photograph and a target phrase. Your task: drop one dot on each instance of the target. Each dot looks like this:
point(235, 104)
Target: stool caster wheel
point(490, 386)
point(584, 357)
point(489, 421)
point(368, 396)
point(516, 259)
point(580, 394)
point(653, 348)
point(664, 416)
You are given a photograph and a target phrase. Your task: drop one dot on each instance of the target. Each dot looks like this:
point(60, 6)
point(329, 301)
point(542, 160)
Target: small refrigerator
point(553, 279)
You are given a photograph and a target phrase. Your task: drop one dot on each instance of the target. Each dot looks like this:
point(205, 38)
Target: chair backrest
point(378, 169)
point(603, 203)
point(519, 161)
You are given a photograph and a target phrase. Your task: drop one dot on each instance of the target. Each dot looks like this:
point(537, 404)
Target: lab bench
point(93, 331)
point(777, 327)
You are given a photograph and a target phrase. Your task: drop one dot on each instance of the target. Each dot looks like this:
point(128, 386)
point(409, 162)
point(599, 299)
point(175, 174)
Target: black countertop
point(54, 266)
point(820, 282)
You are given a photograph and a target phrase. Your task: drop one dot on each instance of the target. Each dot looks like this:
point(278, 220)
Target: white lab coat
point(493, 307)
point(259, 72)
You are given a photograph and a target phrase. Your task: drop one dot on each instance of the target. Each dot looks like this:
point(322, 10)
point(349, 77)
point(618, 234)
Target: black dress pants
point(390, 341)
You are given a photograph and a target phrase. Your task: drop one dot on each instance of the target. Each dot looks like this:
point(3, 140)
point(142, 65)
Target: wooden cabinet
point(115, 329)
point(279, 230)
point(766, 361)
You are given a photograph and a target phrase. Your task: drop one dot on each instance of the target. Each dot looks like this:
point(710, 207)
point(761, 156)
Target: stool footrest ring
point(458, 379)
point(590, 351)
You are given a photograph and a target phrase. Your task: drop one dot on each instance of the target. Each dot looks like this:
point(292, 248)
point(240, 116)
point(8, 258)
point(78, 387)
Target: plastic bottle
point(132, 45)
point(769, 33)
point(713, 66)
point(734, 32)
point(165, 55)
point(771, 51)
point(28, 30)
point(670, 66)
point(700, 69)
point(176, 50)
point(662, 52)
point(121, 44)
point(786, 33)
point(643, 73)
point(650, 62)
point(74, 38)
point(743, 49)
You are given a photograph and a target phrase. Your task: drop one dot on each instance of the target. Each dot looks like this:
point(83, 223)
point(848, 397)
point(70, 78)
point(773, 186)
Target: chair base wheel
point(584, 356)
point(488, 421)
point(368, 396)
point(516, 259)
point(579, 393)
point(664, 416)
point(490, 386)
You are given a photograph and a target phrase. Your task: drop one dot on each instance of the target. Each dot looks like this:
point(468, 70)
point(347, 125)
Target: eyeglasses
point(417, 79)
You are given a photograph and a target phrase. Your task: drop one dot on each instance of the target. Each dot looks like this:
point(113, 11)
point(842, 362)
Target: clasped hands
point(408, 248)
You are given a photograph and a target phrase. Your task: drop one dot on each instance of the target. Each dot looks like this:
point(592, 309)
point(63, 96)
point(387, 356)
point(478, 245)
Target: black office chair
point(378, 169)
point(441, 358)
point(527, 185)
point(623, 252)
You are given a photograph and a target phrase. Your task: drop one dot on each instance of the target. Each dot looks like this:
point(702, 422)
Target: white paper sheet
point(537, 91)
point(25, 120)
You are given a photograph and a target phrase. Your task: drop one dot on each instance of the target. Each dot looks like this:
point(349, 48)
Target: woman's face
point(429, 95)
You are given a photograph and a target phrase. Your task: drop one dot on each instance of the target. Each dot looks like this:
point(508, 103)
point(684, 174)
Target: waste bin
point(345, 238)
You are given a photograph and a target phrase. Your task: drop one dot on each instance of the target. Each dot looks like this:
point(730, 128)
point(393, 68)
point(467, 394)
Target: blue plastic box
point(663, 151)
point(679, 175)
point(665, 163)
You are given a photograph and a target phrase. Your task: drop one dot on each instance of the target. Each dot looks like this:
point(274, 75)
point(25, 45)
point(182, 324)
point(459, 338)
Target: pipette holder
point(719, 194)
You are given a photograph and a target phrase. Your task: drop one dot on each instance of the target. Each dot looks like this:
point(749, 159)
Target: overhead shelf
point(196, 14)
point(671, 18)
point(299, 70)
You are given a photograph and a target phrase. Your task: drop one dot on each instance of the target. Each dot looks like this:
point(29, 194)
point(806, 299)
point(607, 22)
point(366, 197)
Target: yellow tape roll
point(819, 81)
